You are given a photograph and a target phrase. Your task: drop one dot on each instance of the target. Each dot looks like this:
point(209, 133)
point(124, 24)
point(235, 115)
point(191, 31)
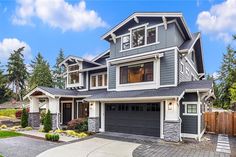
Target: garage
point(133, 118)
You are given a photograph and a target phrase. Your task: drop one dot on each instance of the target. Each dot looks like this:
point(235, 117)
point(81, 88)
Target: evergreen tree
point(47, 122)
point(4, 91)
point(17, 72)
point(232, 91)
point(41, 75)
point(59, 81)
point(38, 60)
point(227, 76)
point(24, 118)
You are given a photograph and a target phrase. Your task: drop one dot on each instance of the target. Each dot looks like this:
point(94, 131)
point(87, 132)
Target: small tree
point(24, 118)
point(47, 122)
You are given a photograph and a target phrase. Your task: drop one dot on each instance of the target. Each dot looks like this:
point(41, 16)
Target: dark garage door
point(138, 118)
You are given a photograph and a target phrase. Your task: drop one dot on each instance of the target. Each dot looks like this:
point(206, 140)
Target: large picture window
point(138, 37)
point(136, 73)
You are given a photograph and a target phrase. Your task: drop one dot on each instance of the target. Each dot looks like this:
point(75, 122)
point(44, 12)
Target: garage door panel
point(143, 119)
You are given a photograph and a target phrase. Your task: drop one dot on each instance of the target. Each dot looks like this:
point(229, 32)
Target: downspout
point(178, 104)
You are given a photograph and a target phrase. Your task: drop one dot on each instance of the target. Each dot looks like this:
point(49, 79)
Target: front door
point(67, 112)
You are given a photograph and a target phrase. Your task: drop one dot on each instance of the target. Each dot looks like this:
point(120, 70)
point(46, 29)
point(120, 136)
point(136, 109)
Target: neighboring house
point(148, 83)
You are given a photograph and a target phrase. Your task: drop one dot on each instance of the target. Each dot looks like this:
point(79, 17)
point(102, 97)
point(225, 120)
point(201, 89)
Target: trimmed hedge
point(52, 137)
point(47, 122)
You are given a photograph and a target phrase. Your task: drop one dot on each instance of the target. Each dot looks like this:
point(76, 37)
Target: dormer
point(74, 75)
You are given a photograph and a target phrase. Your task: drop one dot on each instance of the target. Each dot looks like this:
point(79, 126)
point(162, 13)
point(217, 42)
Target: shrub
point(3, 127)
point(79, 124)
point(28, 128)
point(47, 122)
point(8, 112)
point(42, 116)
point(24, 118)
point(52, 137)
point(18, 113)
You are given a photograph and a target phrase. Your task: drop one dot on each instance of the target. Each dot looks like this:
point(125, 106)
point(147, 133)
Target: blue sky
point(46, 27)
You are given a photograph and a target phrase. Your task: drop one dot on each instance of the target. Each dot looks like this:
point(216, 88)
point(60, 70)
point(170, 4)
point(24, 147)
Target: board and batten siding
point(189, 123)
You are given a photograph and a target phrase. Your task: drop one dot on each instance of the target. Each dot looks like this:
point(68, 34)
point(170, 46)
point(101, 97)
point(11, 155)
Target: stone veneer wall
point(172, 131)
point(93, 124)
point(54, 121)
point(34, 120)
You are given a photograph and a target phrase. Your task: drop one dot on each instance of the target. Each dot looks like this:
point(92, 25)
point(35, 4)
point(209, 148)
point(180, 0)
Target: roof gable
point(76, 59)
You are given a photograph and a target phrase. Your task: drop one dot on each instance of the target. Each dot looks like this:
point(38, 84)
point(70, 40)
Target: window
point(125, 42)
point(136, 73)
point(138, 37)
point(105, 80)
point(94, 81)
point(151, 35)
point(100, 80)
point(73, 74)
point(192, 108)
point(181, 67)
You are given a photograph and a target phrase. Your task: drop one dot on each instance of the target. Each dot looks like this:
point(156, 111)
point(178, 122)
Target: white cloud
point(7, 46)
point(89, 56)
point(219, 21)
point(57, 14)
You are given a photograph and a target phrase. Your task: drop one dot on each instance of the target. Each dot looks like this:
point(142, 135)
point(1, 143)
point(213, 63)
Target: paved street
point(24, 146)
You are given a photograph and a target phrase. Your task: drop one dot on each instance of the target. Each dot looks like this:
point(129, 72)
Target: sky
point(76, 26)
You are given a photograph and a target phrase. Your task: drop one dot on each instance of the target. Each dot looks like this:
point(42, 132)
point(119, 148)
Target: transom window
point(136, 73)
point(98, 80)
point(73, 74)
point(139, 37)
point(191, 108)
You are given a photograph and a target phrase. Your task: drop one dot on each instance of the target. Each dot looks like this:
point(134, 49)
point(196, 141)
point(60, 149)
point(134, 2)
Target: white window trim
point(185, 108)
point(103, 80)
point(181, 64)
point(80, 76)
point(145, 38)
point(139, 85)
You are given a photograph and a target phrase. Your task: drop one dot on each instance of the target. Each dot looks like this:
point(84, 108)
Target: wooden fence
point(220, 122)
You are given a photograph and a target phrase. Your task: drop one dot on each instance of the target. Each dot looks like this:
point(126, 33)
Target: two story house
point(150, 82)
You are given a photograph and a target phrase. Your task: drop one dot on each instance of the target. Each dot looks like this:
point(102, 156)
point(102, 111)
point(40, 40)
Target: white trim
point(200, 136)
point(72, 112)
point(96, 76)
point(136, 27)
point(191, 64)
point(147, 15)
point(195, 136)
point(72, 109)
point(80, 75)
point(154, 98)
point(61, 115)
point(181, 70)
point(199, 113)
point(162, 120)
point(142, 54)
point(93, 68)
point(40, 90)
point(186, 103)
point(102, 129)
point(99, 56)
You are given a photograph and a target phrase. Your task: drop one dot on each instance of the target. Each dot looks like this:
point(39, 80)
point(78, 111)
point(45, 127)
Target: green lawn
point(5, 134)
point(1, 156)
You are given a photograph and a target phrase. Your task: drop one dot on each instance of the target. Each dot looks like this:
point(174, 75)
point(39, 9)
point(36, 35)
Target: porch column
point(172, 125)
point(34, 120)
point(54, 108)
point(93, 120)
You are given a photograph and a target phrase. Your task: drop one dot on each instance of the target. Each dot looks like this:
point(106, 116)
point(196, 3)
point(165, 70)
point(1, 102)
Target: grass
point(6, 134)
point(1, 156)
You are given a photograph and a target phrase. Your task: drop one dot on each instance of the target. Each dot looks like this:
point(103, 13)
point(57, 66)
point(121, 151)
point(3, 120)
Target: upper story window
point(138, 37)
point(136, 73)
point(73, 74)
point(98, 80)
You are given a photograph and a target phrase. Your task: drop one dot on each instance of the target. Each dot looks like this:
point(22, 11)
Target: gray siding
point(167, 38)
point(189, 123)
point(167, 68)
point(182, 77)
point(112, 77)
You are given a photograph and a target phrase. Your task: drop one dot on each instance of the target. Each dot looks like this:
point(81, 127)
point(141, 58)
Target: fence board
point(221, 123)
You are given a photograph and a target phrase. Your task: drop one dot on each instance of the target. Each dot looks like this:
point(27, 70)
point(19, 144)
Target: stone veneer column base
point(93, 124)
point(171, 131)
point(55, 121)
point(34, 120)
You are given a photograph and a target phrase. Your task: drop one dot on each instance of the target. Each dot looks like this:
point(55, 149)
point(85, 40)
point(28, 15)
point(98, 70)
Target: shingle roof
point(56, 91)
point(170, 91)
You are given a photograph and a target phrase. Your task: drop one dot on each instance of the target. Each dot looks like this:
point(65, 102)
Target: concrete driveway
point(94, 147)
